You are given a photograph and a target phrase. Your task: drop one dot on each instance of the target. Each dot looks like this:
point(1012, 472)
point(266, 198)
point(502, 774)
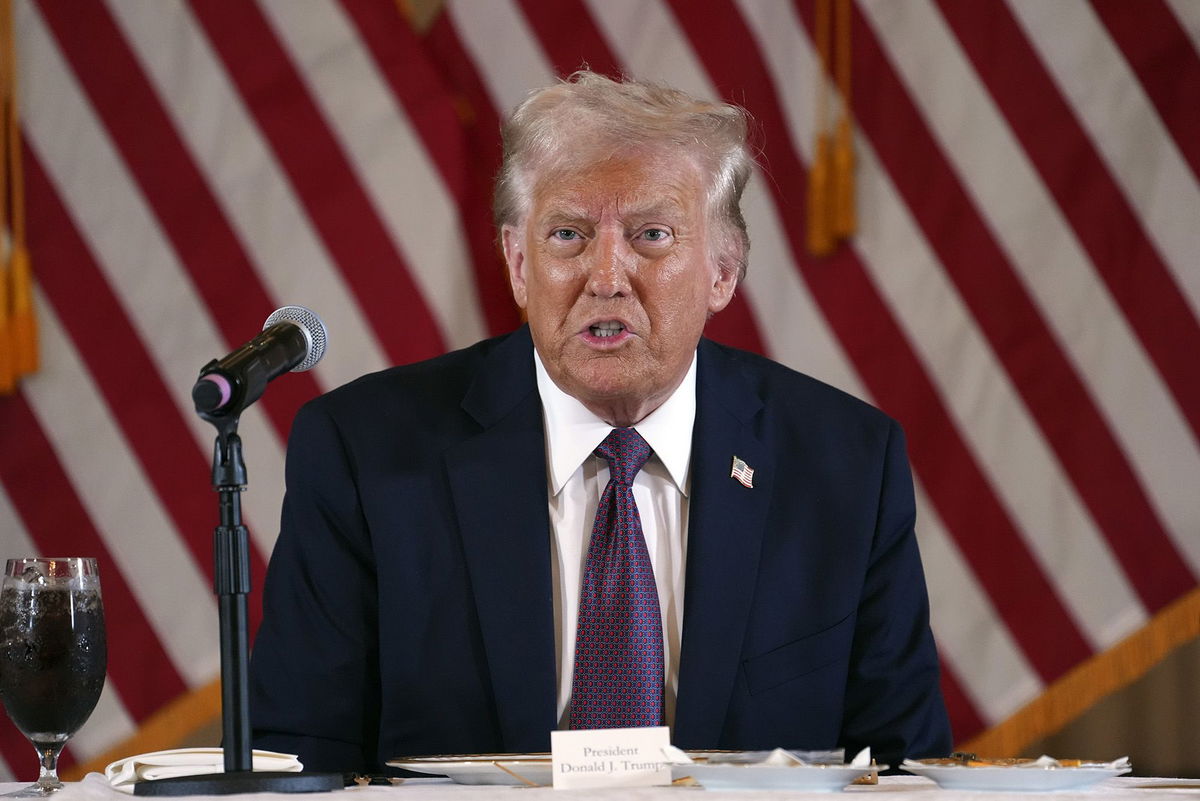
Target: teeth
point(607, 329)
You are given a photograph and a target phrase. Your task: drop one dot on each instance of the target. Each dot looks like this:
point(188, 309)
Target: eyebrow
point(567, 213)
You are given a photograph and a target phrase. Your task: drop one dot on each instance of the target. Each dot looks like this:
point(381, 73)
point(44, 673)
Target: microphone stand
point(231, 583)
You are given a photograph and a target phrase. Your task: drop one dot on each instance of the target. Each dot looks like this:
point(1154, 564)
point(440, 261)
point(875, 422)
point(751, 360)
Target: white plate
point(813, 778)
point(1040, 779)
point(482, 768)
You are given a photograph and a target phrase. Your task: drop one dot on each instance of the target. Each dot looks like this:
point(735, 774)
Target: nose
point(610, 260)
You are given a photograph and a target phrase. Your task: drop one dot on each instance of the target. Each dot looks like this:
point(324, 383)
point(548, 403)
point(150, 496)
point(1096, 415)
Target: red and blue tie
point(618, 678)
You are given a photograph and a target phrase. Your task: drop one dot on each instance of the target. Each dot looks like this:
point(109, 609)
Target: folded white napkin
point(124, 773)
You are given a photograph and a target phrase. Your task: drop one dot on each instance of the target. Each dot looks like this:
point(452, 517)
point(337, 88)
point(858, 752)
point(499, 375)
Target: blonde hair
point(589, 116)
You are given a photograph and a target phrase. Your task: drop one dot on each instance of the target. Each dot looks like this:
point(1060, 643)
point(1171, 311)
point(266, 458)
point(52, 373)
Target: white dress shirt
point(577, 478)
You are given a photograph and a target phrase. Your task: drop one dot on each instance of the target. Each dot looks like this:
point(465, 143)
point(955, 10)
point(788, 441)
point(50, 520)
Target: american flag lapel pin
point(743, 472)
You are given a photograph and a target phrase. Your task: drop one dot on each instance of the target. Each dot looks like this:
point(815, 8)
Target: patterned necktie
point(618, 645)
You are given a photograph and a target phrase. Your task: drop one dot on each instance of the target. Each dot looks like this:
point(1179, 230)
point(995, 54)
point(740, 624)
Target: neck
point(623, 414)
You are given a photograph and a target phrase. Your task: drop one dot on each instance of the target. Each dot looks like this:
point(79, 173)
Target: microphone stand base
point(247, 781)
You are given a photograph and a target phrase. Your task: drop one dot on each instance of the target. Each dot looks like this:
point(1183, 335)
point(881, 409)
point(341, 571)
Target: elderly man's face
point(613, 267)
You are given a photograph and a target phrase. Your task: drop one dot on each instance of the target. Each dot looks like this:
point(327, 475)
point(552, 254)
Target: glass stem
point(48, 764)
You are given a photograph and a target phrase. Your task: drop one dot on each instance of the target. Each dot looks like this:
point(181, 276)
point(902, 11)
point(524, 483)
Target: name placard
point(610, 757)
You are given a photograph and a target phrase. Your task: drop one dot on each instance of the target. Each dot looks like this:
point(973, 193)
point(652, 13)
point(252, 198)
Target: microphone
point(293, 338)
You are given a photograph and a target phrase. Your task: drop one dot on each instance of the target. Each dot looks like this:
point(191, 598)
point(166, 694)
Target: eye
point(655, 235)
point(564, 234)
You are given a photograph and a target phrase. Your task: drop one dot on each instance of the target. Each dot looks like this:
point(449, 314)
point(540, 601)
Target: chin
point(607, 385)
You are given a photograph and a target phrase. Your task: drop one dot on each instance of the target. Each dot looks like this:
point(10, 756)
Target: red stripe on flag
point(879, 349)
point(481, 123)
point(453, 61)
point(1160, 53)
point(1129, 264)
point(18, 753)
point(465, 163)
point(965, 721)
point(324, 179)
point(1086, 193)
point(1053, 393)
point(125, 374)
point(585, 47)
point(139, 668)
point(178, 193)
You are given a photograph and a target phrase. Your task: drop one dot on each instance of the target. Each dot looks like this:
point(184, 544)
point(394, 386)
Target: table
point(890, 788)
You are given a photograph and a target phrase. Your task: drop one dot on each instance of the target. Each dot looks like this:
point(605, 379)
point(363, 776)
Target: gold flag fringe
point(169, 727)
point(1090, 681)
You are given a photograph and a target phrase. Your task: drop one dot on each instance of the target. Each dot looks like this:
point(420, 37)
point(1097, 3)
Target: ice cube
point(33, 576)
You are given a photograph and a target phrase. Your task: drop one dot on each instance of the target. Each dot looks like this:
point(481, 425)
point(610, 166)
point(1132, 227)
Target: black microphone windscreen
point(207, 396)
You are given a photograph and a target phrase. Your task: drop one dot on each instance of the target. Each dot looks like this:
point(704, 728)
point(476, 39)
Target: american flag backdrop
point(1022, 292)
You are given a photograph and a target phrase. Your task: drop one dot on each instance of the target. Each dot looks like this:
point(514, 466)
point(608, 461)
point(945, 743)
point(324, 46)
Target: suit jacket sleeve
point(893, 701)
point(314, 676)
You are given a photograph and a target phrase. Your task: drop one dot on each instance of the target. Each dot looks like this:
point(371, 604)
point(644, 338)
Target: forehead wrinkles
point(628, 192)
point(621, 207)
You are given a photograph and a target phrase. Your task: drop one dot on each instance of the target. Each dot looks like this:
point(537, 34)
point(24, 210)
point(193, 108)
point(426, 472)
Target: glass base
point(48, 747)
point(36, 790)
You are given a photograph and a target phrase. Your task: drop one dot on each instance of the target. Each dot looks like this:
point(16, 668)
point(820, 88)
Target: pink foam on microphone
point(223, 385)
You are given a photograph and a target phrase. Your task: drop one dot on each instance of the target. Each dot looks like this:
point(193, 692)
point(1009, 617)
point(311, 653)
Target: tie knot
point(626, 453)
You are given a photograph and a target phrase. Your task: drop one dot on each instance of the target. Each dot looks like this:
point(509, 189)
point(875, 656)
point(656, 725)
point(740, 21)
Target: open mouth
point(610, 329)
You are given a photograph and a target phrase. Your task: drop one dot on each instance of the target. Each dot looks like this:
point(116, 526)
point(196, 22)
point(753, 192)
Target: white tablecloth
point(891, 788)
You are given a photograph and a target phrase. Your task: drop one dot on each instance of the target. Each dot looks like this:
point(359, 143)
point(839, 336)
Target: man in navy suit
point(424, 593)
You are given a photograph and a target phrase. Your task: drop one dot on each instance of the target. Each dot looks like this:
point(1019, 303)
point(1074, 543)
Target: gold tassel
point(18, 325)
point(820, 230)
point(7, 371)
point(820, 235)
point(22, 323)
point(844, 218)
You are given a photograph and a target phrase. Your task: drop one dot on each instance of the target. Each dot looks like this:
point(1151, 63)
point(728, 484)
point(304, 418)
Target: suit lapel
point(725, 532)
point(498, 480)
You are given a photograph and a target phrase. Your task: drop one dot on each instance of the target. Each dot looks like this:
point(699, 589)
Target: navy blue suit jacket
point(408, 605)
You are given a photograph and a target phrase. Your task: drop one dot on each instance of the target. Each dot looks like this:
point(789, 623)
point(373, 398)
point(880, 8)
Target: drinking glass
point(53, 654)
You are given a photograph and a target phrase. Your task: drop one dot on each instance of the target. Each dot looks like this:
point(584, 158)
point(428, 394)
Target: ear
point(514, 258)
point(724, 285)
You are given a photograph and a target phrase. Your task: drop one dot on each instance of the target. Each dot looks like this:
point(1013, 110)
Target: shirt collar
point(573, 432)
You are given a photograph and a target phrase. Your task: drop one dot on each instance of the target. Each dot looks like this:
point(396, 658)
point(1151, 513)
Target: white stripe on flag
point(390, 161)
point(1044, 250)
point(971, 636)
point(509, 56)
point(109, 723)
point(990, 415)
point(1125, 127)
point(960, 361)
point(123, 506)
point(1188, 13)
point(247, 181)
point(158, 296)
